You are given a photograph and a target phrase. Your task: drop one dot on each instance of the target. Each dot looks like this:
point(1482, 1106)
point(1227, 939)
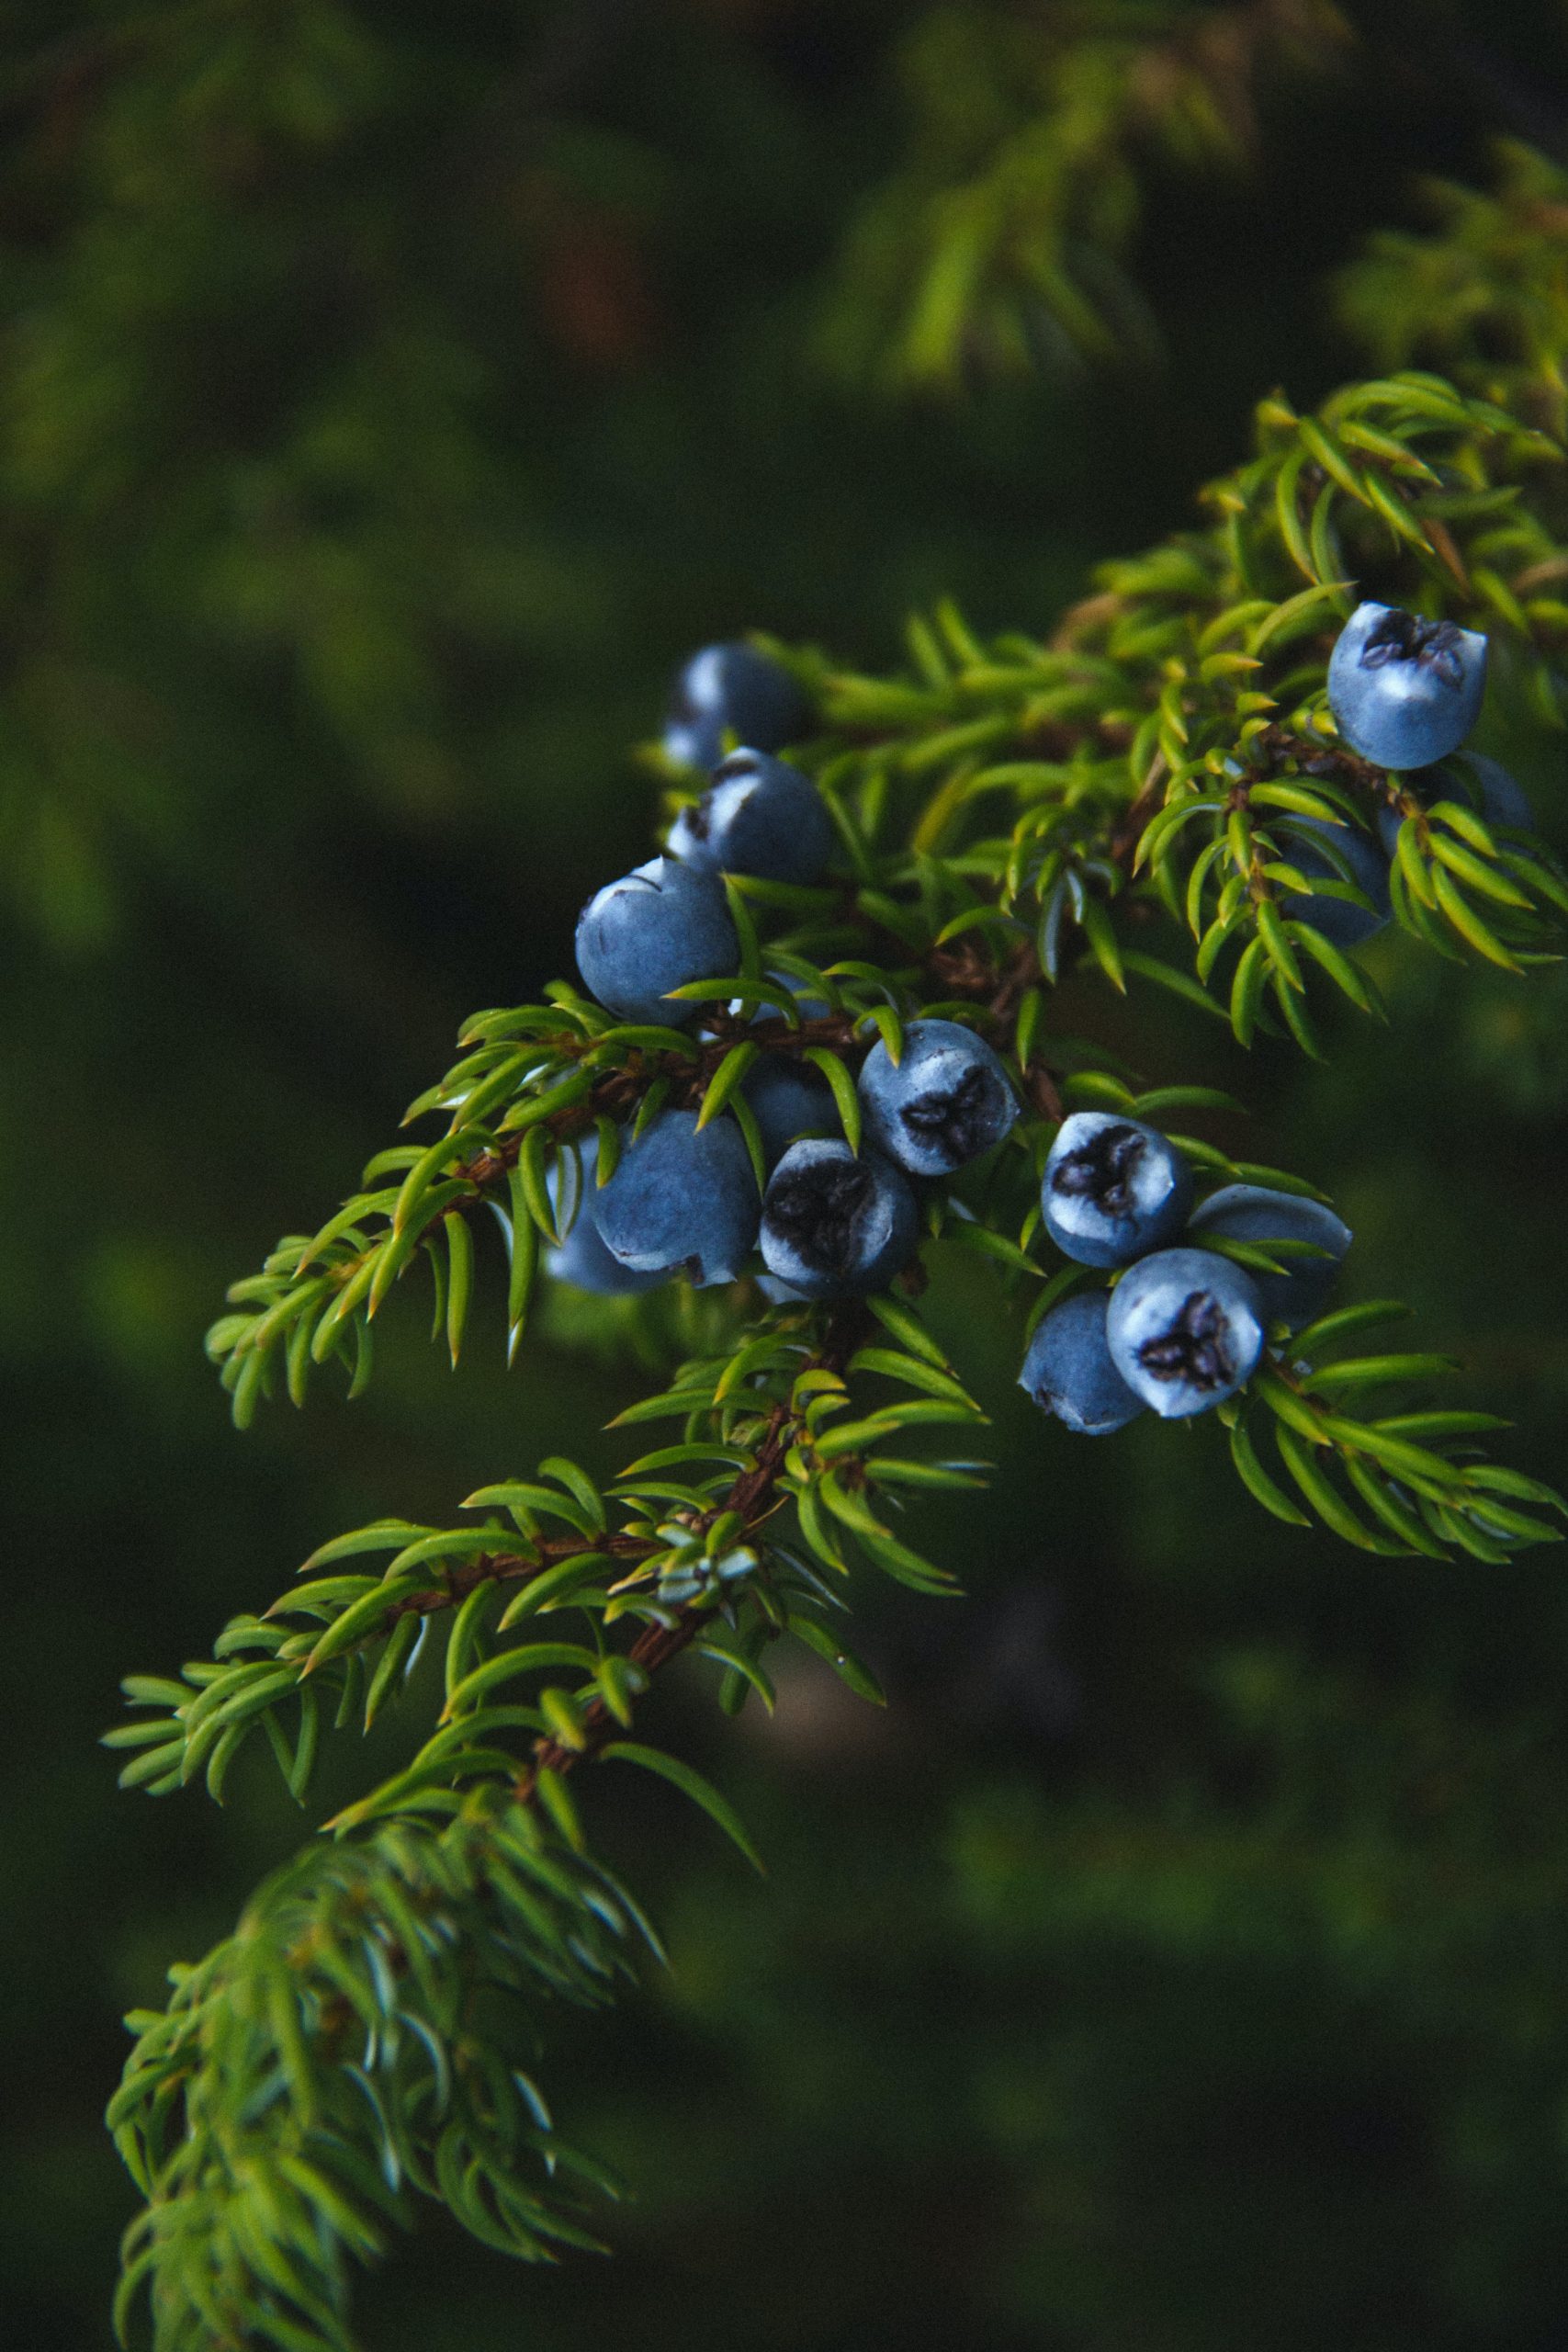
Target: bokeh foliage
point(383, 390)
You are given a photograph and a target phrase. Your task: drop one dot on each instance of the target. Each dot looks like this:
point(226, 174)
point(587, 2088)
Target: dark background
point(388, 396)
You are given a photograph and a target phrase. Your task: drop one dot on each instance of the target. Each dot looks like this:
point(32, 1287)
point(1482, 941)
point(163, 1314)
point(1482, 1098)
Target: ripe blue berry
point(758, 816)
point(788, 1099)
point(1405, 690)
point(659, 926)
point(582, 1258)
point(1340, 921)
point(1113, 1189)
point(835, 1226)
point(1502, 799)
point(945, 1102)
point(1475, 782)
point(682, 1200)
point(732, 689)
point(1068, 1371)
point(1185, 1329)
point(1258, 1213)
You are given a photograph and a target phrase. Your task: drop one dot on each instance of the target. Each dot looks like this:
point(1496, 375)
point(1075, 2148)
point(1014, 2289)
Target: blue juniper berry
point(1068, 1370)
point(1405, 690)
point(758, 816)
point(944, 1101)
point(731, 690)
point(1348, 856)
point(1113, 1189)
point(1259, 1212)
point(1475, 782)
point(837, 1225)
point(1186, 1330)
point(582, 1258)
point(657, 928)
point(788, 1098)
point(682, 1200)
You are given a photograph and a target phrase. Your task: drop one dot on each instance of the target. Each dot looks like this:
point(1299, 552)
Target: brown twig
point(510, 1568)
point(1129, 830)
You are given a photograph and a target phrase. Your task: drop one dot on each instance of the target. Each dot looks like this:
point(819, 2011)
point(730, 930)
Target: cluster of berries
point(1405, 693)
point(832, 1222)
point(1184, 1327)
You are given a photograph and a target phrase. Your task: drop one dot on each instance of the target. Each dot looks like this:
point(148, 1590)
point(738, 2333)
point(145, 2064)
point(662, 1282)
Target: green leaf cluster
point(687, 1542)
point(360, 2043)
point(1418, 1481)
point(1013, 816)
point(1484, 294)
point(1001, 243)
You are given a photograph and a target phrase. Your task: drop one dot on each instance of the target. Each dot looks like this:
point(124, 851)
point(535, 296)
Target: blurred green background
point(390, 395)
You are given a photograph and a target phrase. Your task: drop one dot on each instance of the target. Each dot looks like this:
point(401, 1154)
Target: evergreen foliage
point(1001, 243)
point(1059, 833)
point(1006, 810)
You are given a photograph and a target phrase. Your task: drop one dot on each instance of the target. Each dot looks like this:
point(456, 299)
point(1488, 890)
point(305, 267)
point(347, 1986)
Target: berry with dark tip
point(734, 690)
point(835, 1226)
point(1405, 690)
point(788, 1099)
point(1185, 1329)
point(1475, 782)
point(582, 1258)
point(682, 1200)
point(1258, 1213)
point(758, 816)
point(944, 1101)
point(1340, 921)
point(1068, 1370)
point(659, 926)
point(1113, 1189)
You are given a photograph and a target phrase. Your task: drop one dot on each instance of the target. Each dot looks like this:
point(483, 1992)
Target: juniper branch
point(1147, 757)
point(750, 1502)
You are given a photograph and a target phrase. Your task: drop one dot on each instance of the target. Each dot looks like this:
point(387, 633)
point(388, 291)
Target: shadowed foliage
point(393, 400)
